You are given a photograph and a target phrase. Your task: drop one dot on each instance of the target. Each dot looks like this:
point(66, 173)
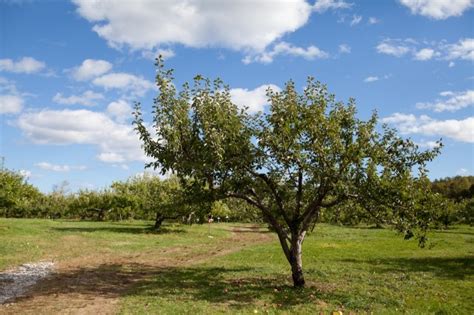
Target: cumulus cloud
point(165, 53)
point(120, 110)
point(460, 130)
point(238, 25)
point(60, 168)
point(11, 104)
point(64, 127)
point(322, 6)
point(463, 49)
point(124, 81)
point(111, 157)
point(450, 101)
point(439, 9)
point(88, 98)
point(24, 65)
point(254, 100)
point(424, 54)
point(284, 48)
point(90, 68)
point(11, 100)
point(390, 48)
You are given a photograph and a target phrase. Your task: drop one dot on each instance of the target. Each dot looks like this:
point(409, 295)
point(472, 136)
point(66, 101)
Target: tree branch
point(275, 193)
point(282, 235)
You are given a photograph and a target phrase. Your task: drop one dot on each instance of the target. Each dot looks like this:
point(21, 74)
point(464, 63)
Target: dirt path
point(94, 284)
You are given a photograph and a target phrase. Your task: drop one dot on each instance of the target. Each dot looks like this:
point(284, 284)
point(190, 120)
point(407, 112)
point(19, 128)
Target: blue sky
point(71, 71)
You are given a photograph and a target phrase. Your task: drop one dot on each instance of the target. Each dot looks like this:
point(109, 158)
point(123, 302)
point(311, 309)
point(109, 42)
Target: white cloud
point(90, 68)
point(284, 48)
point(238, 25)
point(254, 100)
point(11, 100)
point(373, 20)
point(356, 19)
point(460, 130)
point(124, 81)
point(7, 86)
point(371, 79)
point(438, 9)
point(11, 104)
point(153, 54)
point(399, 118)
point(428, 144)
point(64, 127)
point(463, 49)
point(111, 157)
point(344, 49)
point(452, 101)
point(451, 64)
point(25, 173)
point(446, 93)
point(424, 54)
point(321, 6)
point(389, 48)
point(374, 78)
point(120, 110)
point(59, 168)
point(24, 65)
point(88, 98)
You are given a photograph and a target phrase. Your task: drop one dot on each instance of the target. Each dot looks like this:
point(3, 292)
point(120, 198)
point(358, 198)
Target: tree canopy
point(308, 152)
point(17, 197)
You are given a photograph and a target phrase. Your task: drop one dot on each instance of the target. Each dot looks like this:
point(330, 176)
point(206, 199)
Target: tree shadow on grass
point(457, 268)
point(236, 288)
point(121, 229)
point(226, 287)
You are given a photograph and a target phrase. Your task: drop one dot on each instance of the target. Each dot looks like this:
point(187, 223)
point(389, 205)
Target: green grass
point(361, 270)
point(347, 269)
point(25, 240)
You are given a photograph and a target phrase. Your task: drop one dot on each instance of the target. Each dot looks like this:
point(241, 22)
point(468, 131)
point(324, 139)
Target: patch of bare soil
point(94, 284)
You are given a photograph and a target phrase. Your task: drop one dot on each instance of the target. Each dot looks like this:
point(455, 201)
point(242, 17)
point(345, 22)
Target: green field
point(241, 269)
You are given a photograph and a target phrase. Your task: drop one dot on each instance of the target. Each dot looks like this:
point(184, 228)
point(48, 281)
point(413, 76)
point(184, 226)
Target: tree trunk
point(296, 261)
point(158, 221)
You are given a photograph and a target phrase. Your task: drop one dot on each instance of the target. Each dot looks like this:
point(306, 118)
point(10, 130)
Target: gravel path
point(15, 282)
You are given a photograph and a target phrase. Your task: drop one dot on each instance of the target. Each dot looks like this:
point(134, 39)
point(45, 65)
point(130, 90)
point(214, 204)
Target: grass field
point(122, 268)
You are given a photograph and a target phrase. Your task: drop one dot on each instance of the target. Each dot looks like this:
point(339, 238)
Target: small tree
point(309, 152)
point(152, 197)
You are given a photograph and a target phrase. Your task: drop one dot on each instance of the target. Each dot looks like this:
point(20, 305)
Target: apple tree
point(306, 153)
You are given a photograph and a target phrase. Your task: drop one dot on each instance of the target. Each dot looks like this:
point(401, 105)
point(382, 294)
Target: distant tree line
point(453, 200)
point(150, 197)
point(459, 191)
point(144, 197)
